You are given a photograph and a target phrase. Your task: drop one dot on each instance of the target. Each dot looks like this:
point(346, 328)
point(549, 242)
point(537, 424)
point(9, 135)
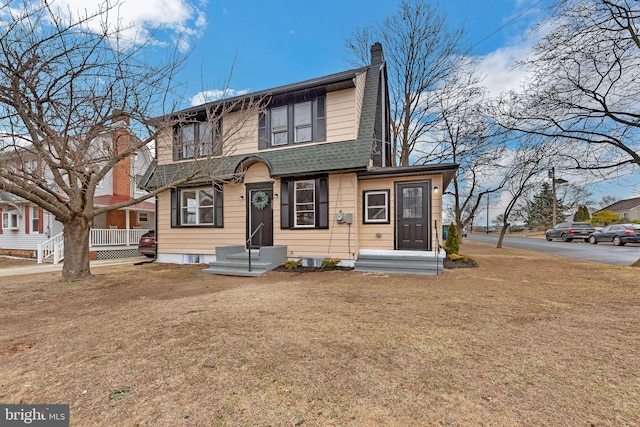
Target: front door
point(260, 211)
point(413, 216)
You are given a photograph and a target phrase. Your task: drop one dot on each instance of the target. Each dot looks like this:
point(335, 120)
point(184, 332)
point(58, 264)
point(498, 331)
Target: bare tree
point(464, 135)
point(422, 53)
point(64, 88)
point(585, 85)
point(528, 165)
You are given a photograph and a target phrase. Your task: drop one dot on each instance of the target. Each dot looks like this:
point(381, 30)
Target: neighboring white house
point(25, 226)
point(628, 209)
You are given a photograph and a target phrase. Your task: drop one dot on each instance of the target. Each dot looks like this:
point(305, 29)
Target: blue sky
point(279, 42)
point(272, 43)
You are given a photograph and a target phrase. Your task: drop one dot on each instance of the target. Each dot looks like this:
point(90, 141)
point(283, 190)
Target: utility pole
point(488, 197)
point(554, 181)
point(552, 175)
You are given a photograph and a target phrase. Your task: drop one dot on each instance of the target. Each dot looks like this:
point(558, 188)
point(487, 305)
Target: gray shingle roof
point(295, 161)
point(624, 205)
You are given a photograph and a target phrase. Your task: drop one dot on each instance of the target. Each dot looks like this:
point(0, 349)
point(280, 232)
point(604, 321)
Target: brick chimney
point(122, 169)
point(376, 54)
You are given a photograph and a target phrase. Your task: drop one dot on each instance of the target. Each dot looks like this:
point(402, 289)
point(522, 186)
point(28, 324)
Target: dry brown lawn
point(524, 340)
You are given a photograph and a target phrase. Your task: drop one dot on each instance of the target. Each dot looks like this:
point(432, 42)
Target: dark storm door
point(413, 216)
point(260, 210)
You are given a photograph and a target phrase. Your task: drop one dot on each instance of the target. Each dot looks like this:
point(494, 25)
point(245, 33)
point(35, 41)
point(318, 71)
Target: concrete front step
point(399, 262)
point(234, 260)
point(230, 271)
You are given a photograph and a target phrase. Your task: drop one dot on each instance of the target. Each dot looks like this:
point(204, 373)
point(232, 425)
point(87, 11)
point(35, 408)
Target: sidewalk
point(46, 267)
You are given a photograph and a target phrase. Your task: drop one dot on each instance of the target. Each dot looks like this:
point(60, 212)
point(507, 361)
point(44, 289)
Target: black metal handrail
point(250, 239)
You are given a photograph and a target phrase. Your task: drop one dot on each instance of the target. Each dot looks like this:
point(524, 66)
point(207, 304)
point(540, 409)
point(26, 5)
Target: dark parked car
point(567, 231)
point(147, 245)
point(619, 234)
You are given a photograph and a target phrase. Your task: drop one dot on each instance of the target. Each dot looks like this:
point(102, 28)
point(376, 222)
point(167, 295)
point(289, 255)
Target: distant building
point(628, 209)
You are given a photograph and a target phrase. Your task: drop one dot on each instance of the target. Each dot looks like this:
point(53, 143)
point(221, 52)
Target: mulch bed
point(448, 264)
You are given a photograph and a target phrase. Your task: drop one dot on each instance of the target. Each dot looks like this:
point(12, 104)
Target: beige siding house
point(309, 177)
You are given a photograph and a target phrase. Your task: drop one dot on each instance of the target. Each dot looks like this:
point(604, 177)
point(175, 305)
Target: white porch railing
point(53, 247)
point(98, 237)
point(115, 237)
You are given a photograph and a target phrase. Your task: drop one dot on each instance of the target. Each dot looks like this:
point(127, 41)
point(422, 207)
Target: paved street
point(604, 253)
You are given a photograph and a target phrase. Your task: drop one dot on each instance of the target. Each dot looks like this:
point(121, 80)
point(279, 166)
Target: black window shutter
point(176, 142)
point(219, 206)
point(320, 120)
point(322, 184)
point(291, 126)
point(285, 206)
point(263, 140)
point(217, 139)
point(175, 207)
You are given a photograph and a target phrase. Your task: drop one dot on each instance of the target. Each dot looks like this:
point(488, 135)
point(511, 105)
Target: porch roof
point(447, 170)
point(112, 199)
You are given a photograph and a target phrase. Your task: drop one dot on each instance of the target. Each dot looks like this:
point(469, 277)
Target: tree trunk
point(76, 248)
point(503, 231)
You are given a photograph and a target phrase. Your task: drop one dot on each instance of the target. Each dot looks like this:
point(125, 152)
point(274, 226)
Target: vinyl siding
point(333, 242)
point(18, 239)
point(341, 115)
point(164, 147)
point(359, 96)
point(240, 130)
point(196, 240)
point(367, 238)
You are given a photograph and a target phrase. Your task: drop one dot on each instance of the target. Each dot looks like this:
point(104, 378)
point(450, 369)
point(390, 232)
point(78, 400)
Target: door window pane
point(412, 202)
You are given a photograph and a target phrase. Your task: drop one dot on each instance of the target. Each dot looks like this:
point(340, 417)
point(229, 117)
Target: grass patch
point(501, 344)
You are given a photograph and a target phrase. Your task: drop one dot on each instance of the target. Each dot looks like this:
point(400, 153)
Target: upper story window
point(292, 123)
point(197, 139)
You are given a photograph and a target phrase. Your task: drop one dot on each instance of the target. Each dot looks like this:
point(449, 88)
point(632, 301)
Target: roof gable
point(623, 205)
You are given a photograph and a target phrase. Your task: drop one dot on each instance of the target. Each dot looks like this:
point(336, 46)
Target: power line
point(509, 22)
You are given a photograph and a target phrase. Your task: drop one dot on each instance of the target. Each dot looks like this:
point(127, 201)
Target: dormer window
point(197, 139)
point(279, 126)
point(293, 123)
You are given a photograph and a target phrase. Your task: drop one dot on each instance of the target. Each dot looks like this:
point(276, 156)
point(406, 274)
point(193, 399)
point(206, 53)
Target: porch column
point(127, 224)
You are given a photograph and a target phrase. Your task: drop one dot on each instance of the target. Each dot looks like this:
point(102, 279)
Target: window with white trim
point(197, 207)
point(376, 207)
point(302, 121)
point(305, 203)
point(143, 217)
point(279, 126)
point(197, 139)
point(293, 122)
point(35, 220)
point(10, 220)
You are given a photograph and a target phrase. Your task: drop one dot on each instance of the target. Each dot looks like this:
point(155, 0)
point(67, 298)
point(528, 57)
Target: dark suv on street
point(567, 231)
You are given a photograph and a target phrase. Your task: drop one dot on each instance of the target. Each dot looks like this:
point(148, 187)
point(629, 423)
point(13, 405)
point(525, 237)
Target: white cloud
point(498, 69)
point(215, 95)
point(145, 20)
